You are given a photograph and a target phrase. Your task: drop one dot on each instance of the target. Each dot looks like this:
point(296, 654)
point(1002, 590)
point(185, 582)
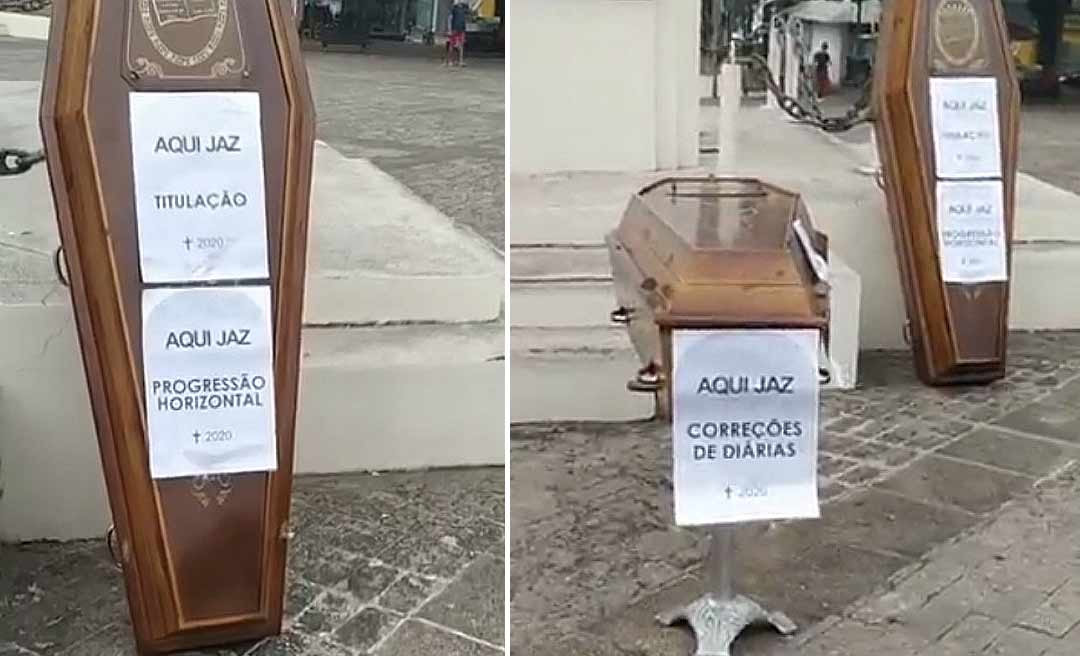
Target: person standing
point(822, 64)
point(459, 18)
point(1050, 18)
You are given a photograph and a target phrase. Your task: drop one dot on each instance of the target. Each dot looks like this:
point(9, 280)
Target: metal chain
point(24, 5)
point(858, 114)
point(14, 161)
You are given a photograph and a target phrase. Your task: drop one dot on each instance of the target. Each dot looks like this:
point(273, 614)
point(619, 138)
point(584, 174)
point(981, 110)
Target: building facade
point(603, 85)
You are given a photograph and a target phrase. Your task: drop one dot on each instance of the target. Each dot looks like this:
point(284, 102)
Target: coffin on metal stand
point(715, 253)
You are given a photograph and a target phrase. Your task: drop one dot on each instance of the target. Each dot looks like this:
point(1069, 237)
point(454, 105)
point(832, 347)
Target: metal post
point(727, 116)
point(776, 55)
point(714, 45)
point(721, 562)
point(720, 615)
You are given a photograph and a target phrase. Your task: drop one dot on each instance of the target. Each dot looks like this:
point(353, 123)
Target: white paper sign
point(971, 231)
point(745, 425)
point(200, 199)
point(966, 127)
point(209, 380)
point(818, 263)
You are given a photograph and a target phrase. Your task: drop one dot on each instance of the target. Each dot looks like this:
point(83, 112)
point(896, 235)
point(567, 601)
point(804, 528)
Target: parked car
point(1024, 39)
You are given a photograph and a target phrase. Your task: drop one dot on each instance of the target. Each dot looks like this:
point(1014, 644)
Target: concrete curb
point(22, 26)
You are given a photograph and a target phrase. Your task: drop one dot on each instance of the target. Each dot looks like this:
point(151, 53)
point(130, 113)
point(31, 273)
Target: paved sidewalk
point(1011, 588)
point(439, 131)
point(406, 564)
point(904, 468)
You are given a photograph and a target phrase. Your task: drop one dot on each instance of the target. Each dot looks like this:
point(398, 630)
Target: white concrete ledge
point(381, 253)
point(401, 398)
point(24, 26)
point(370, 399)
point(1044, 293)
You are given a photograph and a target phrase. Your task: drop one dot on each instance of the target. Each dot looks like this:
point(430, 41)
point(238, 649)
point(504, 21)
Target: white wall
point(602, 85)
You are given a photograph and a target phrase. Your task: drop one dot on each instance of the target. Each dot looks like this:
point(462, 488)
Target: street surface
point(1049, 136)
point(438, 130)
point(1011, 588)
point(391, 565)
point(903, 469)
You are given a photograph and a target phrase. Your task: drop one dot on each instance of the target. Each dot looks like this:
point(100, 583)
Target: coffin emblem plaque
point(957, 34)
point(177, 39)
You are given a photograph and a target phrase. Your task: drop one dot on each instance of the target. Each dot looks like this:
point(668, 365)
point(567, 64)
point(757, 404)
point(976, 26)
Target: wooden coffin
point(713, 253)
point(944, 69)
point(203, 556)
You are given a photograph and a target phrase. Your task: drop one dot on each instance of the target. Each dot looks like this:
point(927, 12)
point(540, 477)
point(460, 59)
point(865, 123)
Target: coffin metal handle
point(111, 544)
point(622, 316)
point(60, 267)
point(648, 380)
point(824, 376)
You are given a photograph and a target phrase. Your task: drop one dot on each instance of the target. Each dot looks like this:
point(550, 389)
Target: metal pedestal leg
point(719, 617)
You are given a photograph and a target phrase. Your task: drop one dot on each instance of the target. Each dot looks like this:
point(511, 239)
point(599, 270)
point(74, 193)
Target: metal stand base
point(716, 623)
point(718, 618)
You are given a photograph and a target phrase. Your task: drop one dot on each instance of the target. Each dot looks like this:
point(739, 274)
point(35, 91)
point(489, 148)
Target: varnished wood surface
point(958, 332)
point(712, 254)
point(195, 574)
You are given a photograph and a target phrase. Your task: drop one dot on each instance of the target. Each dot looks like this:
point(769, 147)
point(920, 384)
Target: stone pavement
point(401, 564)
point(1011, 588)
point(438, 131)
point(903, 469)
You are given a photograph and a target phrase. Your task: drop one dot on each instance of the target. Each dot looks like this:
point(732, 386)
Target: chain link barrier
point(859, 113)
point(14, 161)
point(26, 6)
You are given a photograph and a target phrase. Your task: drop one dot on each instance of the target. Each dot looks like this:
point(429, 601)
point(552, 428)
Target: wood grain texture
point(713, 254)
point(958, 332)
point(195, 575)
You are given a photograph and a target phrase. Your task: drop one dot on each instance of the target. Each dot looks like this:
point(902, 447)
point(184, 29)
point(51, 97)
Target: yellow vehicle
point(1024, 35)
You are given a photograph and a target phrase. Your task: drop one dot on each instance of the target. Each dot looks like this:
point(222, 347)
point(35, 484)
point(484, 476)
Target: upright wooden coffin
point(713, 253)
point(944, 70)
point(203, 556)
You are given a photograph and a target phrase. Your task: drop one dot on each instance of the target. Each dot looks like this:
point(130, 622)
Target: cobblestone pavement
point(1011, 588)
point(903, 468)
point(401, 564)
point(438, 130)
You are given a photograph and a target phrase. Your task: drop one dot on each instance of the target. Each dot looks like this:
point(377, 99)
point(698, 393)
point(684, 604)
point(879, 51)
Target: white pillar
point(667, 83)
point(727, 130)
point(688, 128)
point(792, 41)
point(776, 56)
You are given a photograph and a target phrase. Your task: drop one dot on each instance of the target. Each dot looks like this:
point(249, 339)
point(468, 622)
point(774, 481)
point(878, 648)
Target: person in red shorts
point(459, 16)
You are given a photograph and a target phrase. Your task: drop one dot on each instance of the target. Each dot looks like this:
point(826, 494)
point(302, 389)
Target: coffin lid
point(689, 234)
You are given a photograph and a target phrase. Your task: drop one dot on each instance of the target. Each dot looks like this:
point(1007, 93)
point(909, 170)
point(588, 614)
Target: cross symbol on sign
point(187, 242)
point(196, 436)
